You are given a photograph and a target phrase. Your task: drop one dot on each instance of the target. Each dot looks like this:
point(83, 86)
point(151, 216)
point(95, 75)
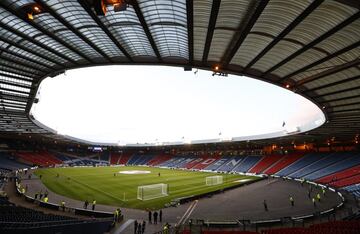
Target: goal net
point(152, 191)
point(214, 180)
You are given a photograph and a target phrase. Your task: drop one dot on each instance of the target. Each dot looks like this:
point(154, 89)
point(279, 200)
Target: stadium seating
point(143, 159)
point(231, 163)
point(8, 162)
point(285, 161)
point(216, 165)
point(208, 161)
point(335, 227)
point(264, 163)
point(340, 175)
point(354, 189)
point(157, 160)
point(300, 164)
point(114, 158)
point(318, 166)
point(105, 157)
point(41, 158)
point(347, 181)
point(247, 163)
point(124, 159)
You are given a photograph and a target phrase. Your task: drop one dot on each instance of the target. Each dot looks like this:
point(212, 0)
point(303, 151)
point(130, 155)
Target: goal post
point(152, 191)
point(214, 180)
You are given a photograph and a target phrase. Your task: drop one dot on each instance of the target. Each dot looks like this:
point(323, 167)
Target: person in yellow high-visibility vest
point(46, 199)
point(62, 205)
point(93, 204)
point(116, 215)
point(318, 197)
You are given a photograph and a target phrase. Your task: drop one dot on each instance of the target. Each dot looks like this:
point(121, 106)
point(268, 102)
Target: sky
point(152, 104)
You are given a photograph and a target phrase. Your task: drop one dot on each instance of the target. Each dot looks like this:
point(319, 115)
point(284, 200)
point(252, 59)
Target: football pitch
point(109, 186)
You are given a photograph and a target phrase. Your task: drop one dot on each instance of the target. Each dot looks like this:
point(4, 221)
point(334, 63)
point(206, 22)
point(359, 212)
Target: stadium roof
point(310, 47)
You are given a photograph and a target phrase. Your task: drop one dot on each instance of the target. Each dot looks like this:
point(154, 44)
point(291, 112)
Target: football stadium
point(180, 116)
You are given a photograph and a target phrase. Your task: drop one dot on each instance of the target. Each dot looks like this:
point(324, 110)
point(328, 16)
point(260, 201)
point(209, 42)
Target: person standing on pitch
point(314, 201)
point(160, 216)
point(150, 215)
point(265, 205)
point(93, 204)
point(135, 226)
point(155, 217)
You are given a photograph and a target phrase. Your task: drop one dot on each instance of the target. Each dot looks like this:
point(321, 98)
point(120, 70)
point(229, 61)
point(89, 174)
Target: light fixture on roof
point(32, 9)
point(287, 86)
point(100, 6)
point(217, 71)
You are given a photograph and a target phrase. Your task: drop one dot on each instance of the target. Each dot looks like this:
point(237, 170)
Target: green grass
point(100, 183)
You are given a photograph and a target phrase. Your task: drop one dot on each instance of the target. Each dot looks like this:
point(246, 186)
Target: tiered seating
point(282, 163)
point(104, 157)
point(132, 160)
point(208, 161)
point(336, 227)
point(124, 159)
point(340, 175)
point(196, 161)
point(159, 159)
point(216, 165)
point(347, 181)
point(231, 163)
point(42, 158)
point(10, 164)
point(184, 162)
point(326, 161)
point(247, 163)
point(354, 189)
point(265, 163)
point(114, 158)
point(299, 164)
point(63, 157)
point(143, 159)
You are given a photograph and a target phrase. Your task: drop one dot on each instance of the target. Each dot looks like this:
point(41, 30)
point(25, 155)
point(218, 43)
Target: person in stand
point(63, 205)
point(93, 204)
point(160, 216)
point(46, 199)
point(291, 200)
point(86, 203)
point(143, 227)
point(155, 217)
point(150, 215)
point(265, 205)
point(135, 226)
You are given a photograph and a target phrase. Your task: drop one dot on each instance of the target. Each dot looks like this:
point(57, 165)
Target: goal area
point(214, 180)
point(152, 191)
